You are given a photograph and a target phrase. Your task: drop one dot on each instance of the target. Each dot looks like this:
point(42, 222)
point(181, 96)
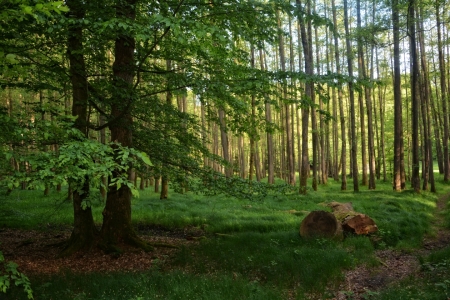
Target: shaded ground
point(395, 265)
point(36, 253)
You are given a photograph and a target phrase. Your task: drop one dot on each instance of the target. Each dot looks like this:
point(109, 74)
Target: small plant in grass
point(9, 274)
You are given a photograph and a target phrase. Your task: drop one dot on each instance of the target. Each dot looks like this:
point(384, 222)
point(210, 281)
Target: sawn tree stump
point(320, 223)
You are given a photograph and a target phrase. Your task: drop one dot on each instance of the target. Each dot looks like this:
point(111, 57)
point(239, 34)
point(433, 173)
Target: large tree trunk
point(84, 232)
point(117, 228)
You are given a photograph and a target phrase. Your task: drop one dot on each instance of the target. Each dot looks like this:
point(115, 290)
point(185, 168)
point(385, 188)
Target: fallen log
point(321, 223)
point(332, 225)
point(352, 221)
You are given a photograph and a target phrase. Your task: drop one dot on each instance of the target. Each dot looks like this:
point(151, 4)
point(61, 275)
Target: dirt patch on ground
point(395, 265)
point(36, 252)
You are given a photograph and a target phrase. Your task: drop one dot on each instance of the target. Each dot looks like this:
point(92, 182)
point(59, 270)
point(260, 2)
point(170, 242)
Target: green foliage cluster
point(10, 275)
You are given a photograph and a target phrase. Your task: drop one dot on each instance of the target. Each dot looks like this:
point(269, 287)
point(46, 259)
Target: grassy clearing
point(259, 254)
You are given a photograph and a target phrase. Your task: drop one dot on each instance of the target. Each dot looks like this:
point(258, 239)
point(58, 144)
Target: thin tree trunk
point(367, 94)
point(444, 98)
point(304, 173)
point(414, 67)
point(341, 107)
point(398, 124)
point(268, 115)
point(352, 101)
point(225, 144)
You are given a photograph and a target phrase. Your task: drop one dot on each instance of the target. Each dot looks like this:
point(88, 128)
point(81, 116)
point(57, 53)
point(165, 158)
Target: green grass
point(258, 254)
point(148, 285)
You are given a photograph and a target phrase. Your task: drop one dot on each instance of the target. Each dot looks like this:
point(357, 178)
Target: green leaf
point(144, 157)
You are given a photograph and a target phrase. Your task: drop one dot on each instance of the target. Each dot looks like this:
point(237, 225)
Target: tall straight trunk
point(437, 126)
point(334, 129)
point(381, 104)
point(241, 154)
point(319, 134)
point(84, 231)
point(268, 115)
point(368, 96)
point(164, 176)
point(293, 92)
point(414, 67)
point(352, 101)
point(307, 52)
point(253, 122)
point(287, 113)
point(299, 106)
point(341, 106)
point(204, 133)
point(398, 124)
point(428, 175)
point(444, 98)
point(225, 144)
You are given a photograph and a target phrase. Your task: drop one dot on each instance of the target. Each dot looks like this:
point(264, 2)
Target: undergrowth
point(252, 250)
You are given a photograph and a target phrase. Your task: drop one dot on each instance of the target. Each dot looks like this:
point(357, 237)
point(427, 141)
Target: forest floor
point(36, 253)
point(396, 265)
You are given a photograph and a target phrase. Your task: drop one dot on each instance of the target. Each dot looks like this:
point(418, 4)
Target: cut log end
point(321, 224)
point(360, 224)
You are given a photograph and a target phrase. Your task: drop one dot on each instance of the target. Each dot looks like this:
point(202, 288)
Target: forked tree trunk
point(117, 228)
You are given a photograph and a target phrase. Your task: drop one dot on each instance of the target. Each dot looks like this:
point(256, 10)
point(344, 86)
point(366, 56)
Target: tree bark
point(352, 101)
point(446, 131)
point(309, 90)
point(398, 124)
point(341, 107)
point(414, 67)
point(269, 137)
point(84, 232)
point(367, 95)
point(117, 227)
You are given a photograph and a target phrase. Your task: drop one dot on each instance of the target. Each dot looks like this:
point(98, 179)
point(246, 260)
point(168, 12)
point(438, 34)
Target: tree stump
point(352, 221)
point(321, 224)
